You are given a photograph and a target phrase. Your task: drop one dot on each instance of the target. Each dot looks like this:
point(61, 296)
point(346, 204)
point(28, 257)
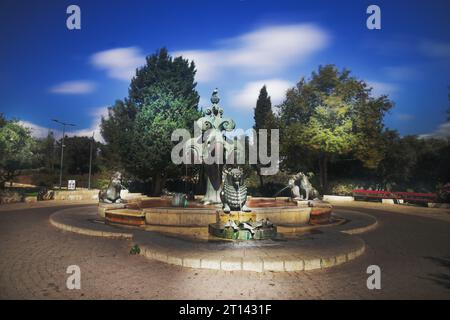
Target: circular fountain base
point(158, 213)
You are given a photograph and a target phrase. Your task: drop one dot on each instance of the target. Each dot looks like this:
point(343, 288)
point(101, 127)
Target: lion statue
point(112, 193)
point(305, 185)
point(234, 194)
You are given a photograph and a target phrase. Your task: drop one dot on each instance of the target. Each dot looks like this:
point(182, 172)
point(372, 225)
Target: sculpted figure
point(295, 190)
point(234, 194)
point(112, 193)
point(305, 185)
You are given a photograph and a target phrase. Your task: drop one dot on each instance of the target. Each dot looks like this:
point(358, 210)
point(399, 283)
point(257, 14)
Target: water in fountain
point(276, 194)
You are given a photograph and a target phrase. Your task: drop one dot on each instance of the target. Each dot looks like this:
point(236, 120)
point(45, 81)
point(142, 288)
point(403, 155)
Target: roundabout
point(297, 246)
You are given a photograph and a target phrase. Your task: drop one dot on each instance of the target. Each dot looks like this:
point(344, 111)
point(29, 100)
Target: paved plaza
point(411, 246)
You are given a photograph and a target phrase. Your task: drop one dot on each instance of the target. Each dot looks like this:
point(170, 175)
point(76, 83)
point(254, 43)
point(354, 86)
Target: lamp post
point(62, 148)
point(90, 161)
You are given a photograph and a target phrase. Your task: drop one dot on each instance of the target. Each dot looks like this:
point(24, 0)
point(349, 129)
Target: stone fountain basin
point(281, 211)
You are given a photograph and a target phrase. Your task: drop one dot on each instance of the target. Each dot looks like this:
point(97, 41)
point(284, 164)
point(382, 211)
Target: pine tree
point(264, 119)
point(263, 109)
point(175, 75)
point(161, 97)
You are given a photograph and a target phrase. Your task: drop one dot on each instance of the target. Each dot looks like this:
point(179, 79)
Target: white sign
point(71, 185)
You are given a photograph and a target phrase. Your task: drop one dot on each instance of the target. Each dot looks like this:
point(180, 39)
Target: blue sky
point(48, 71)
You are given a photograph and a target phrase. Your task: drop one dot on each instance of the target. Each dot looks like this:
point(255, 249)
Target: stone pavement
point(43, 204)
point(436, 213)
point(412, 251)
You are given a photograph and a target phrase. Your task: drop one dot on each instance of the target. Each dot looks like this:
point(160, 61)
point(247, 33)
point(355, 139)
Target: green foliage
point(16, 150)
point(162, 97)
point(264, 119)
point(151, 144)
point(77, 153)
point(135, 249)
point(3, 120)
point(330, 115)
point(410, 162)
point(329, 129)
point(344, 187)
point(263, 110)
point(176, 75)
point(46, 152)
point(117, 130)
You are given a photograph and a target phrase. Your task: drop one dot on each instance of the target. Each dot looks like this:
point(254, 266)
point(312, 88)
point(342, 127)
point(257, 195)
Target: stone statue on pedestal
point(234, 194)
point(112, 193)
point(305, 185)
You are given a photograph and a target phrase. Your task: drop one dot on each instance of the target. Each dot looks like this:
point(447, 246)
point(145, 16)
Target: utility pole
point(90, 161)
point(62, 148)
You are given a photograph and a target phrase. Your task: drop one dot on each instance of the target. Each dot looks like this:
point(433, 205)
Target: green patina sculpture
point(212, 146)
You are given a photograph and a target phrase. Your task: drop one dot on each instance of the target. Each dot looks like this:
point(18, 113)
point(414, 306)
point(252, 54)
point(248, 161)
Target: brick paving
point(413, 252)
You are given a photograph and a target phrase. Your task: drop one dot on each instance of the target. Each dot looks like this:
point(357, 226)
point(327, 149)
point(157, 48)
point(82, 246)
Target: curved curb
point(204, 260)
point(368, 228)
point(255, 264)
point(87, 231)
point(357, 229)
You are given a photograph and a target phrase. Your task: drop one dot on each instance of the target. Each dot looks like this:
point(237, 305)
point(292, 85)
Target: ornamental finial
point(215, 96)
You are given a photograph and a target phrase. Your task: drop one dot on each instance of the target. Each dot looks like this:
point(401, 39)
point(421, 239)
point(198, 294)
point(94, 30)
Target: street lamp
point(90, 160)
point(62, 148)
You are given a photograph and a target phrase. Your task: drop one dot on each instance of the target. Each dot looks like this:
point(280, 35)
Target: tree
point(77, 155)
point(45, 153)
point(264, 119)
point(16, 149)
point(176, 75)
point(3, 120)
point(117, 130)
point(263, 109)
point(159, 116)
point(399, 161)
point(332, 114)
point(162, 97)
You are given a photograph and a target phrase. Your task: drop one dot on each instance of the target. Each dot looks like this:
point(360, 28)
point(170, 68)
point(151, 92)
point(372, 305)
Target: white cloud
point(401, 72)
point(119, 63)
point(262, 52)
point(443, 131)
point(246, 98)
point(435, 49)
point(96, 115)
point(73, 87)
point(380, 88)
point(38, 131)
point(404, 116)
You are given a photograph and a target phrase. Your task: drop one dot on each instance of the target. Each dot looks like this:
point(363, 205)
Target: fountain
point(225, 229)
point(225, 210)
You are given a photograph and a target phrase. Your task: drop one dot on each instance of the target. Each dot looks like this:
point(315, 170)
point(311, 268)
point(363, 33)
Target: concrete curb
point(368, 228)
point(88, 232)
point(254, 264)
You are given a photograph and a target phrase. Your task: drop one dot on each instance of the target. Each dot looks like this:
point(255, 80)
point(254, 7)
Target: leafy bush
point(135, 249)
point(345, 187)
